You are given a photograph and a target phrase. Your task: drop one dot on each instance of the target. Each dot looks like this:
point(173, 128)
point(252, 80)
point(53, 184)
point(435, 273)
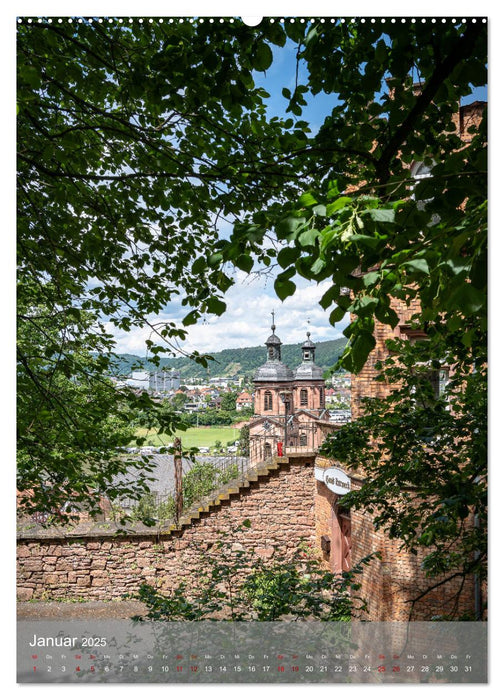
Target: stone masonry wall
point(100, 566)
point(364, 384)
point(390, 582)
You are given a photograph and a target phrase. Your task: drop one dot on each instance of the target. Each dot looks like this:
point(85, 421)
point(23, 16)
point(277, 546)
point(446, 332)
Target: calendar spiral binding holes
point(239, 20)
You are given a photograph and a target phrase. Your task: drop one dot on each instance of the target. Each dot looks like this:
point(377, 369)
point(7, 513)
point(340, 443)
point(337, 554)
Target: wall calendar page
point(252, 351)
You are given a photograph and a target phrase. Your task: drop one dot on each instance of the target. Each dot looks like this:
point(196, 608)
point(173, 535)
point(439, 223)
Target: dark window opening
point(437, 380)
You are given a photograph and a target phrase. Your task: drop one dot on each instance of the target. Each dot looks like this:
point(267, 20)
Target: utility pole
point(179, 495)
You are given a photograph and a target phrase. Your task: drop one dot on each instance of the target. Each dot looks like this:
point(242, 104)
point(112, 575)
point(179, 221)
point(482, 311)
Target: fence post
point(179, 495)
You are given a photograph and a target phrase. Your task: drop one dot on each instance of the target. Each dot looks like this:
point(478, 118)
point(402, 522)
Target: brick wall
point(364, 384)
point(94, 564)
point(469, 117)
point(390, 582)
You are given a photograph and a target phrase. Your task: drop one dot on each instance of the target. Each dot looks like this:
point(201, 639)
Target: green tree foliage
point(357, 223)
point(136, 143)
point(236, 584)
point(72, 421)
point(203, 478)
point(244, 446)
point(199, 481)
point(179, 401)
point(228, 402)
point(426, 484)
point(379, 234)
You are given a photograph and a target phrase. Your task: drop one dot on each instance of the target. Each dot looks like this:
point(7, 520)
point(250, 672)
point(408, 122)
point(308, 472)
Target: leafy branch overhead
point(363, 222)
point(140, 146)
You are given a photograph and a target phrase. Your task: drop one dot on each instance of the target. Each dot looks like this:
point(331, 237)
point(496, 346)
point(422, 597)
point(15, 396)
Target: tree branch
point(461, 51)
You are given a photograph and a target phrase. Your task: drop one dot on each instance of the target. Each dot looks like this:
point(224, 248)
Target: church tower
point(272, 380)
point(289, 407)
point(309, 385)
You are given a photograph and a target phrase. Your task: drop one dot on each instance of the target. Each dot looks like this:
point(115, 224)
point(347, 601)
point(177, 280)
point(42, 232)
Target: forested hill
point(243, 361)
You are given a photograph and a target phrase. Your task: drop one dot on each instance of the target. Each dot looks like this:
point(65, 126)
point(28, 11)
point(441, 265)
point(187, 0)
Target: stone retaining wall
point(91, 562)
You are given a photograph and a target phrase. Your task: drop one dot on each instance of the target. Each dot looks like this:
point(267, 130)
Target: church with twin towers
point(289, 404)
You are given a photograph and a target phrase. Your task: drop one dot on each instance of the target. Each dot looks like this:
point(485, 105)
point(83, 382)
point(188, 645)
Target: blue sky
point(251, 300)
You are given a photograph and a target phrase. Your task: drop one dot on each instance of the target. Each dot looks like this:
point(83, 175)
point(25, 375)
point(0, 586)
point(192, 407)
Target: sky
point(246, 322)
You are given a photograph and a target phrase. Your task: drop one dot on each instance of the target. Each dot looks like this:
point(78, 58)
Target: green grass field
point(192, 437)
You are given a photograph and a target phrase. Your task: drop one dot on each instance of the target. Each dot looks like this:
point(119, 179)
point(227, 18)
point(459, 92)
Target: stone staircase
point(224, 493)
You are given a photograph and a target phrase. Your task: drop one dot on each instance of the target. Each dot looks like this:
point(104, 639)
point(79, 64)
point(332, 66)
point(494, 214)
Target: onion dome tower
point(309, 385)
point(272, 378)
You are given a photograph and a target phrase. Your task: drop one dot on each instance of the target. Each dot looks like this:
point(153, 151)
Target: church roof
point(309, 370)
point(273, 370)
point(273, 339)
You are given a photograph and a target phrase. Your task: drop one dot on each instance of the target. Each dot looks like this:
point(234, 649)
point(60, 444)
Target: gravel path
point(92, 610)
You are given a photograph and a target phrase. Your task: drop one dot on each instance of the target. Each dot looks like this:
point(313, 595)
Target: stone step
point(227, 494)
point(233, 487)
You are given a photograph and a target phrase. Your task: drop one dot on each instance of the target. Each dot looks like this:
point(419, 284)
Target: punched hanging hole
point(251, 21)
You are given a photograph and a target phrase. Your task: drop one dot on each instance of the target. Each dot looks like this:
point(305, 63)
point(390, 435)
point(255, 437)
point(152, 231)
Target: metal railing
point(299, 449)
point(199, 479)
point(274, 442)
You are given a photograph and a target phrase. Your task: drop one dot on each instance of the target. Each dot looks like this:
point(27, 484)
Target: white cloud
point(247, 320)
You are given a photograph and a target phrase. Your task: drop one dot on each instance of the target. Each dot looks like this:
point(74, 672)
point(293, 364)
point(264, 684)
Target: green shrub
point(233, 583)
point(199, 481)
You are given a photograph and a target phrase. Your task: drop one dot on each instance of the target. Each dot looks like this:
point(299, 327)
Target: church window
point(304, 397)
point(268, 401)
point(321, 395)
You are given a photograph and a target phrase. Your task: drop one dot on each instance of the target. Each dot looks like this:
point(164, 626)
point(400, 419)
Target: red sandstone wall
point(278, 406)
point(280, 508)
point(364, 384)
point(390, 582)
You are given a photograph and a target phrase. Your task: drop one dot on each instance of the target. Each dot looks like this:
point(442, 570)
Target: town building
point(162, 381)
point(289, 405)
point(244, 400)
point(138, 380)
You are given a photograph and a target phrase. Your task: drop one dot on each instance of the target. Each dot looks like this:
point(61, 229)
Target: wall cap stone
point(166, 530)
